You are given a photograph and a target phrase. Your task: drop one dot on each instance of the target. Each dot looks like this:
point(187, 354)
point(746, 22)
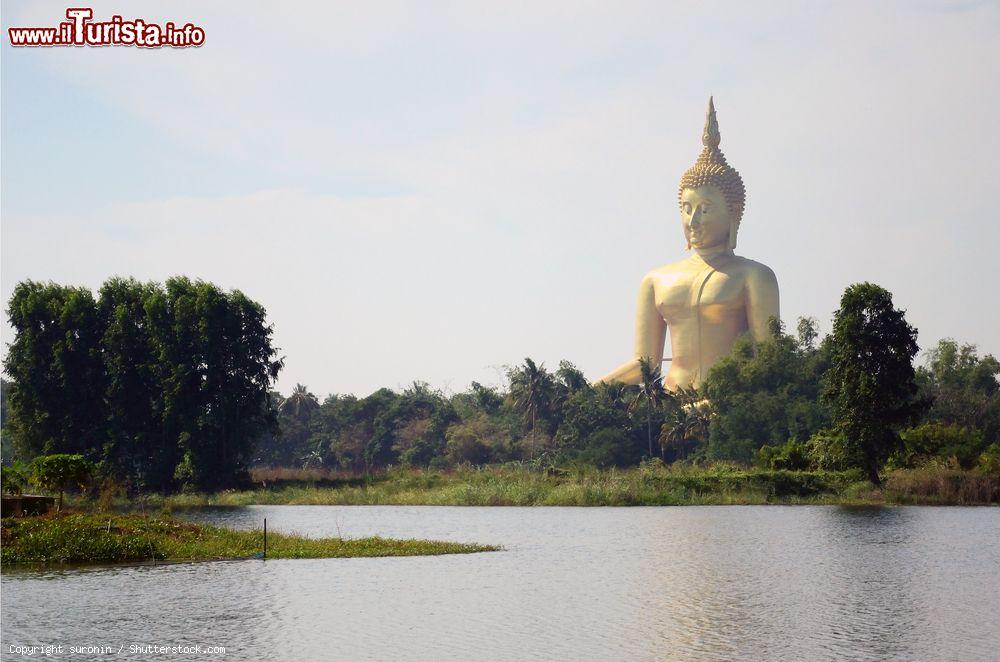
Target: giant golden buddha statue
point(711, 297)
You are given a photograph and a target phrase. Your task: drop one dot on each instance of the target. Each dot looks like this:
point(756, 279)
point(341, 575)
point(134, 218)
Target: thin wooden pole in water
point(265, 538)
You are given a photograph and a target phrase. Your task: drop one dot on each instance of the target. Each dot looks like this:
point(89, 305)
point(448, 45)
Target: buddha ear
point(733, 229)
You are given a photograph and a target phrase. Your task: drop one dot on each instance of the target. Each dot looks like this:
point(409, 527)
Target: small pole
point(265, 538)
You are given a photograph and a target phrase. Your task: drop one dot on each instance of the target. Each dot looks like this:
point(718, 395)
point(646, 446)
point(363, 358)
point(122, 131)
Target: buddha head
point(711, 195)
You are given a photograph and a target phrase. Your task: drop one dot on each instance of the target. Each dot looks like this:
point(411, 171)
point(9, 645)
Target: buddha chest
point(711, 294)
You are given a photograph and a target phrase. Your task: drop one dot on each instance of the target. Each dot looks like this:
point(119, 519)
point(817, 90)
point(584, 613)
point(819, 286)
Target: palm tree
point(532, 388)
point(652, 393)
point(569, 380)
point(614, 392)
point(300, 404)
point(313, 458)
point(690, 420)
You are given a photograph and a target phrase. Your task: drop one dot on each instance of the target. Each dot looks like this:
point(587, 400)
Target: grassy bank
point(104, 538)
point(655, 485)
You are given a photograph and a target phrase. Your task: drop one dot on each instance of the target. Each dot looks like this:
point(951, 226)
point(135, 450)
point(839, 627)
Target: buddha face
point(706, 217)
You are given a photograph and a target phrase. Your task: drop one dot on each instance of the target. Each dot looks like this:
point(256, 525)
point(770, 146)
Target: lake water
point(686, 583)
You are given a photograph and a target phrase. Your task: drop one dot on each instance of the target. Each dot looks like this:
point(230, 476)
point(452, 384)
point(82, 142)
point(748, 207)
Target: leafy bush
point(989, 461)
point(829, 451)
point(588, 411)
point(14, 478)
point(792, 455)
point(477, 440)
point(607, 447)
point(941, 441)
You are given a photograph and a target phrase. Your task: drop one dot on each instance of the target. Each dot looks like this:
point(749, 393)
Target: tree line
point(161, 385)
point(796, 401)
point(179, 378)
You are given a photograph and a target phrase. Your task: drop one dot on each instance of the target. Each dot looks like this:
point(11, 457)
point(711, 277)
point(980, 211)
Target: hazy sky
point(428, 191)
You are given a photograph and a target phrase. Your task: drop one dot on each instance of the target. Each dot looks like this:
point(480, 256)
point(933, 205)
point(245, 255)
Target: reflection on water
point(575, 583)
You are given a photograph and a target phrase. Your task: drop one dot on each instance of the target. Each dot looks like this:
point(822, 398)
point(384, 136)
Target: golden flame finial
point(710, 136)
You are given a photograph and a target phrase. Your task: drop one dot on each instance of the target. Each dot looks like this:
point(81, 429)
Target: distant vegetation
point(848, 402)
point(780, 404)
point(651, 484)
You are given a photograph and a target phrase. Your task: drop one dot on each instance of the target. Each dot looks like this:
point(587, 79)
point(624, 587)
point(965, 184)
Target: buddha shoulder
point(755, 279)
point(753, 272)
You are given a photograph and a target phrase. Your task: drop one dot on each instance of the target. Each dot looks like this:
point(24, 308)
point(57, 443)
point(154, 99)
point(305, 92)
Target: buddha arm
point(650, 333)
point(762, 302)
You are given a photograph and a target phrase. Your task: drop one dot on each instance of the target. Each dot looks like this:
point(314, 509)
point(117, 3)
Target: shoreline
point(642, 486)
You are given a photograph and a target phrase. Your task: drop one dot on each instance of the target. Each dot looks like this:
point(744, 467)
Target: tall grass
point(653, 484)
point(521, 485)
point(934, 485)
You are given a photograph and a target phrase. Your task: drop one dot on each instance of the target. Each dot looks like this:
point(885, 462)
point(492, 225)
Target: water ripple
point(708, 583)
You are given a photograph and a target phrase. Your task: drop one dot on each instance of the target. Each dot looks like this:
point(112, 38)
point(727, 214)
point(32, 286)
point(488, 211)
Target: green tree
point(60, 471)
point(767, 393)
point(56, 397)
point(269, 449)
point(962, 387)
point(296, 443)
point(344, 426)
point(7, 452)
point(385, 427)
point(808, 332)
point(351, 424)
point(871, 382)
point(218, 363)
point(587, 411)
point(415, 425)
point(14, 478)
point(156, 382)
point(487, 399)
point(943, 441)
point(606, 447)
point(478, 399)
point(532, 390)
point(651, 394)
point(132, 380)
point(300, 404)
point(569, 378)
point(686, 430)
point(596, 428)
point(465, 442)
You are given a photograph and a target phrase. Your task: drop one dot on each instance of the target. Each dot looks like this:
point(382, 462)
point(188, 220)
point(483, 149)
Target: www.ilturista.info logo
point(80, 30)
